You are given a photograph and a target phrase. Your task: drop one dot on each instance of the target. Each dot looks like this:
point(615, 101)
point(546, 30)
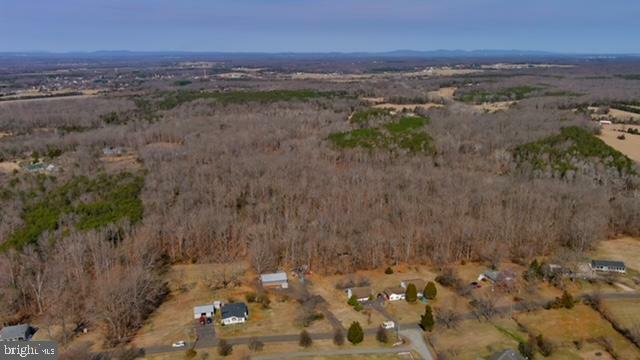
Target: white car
point(178, 344)
point(388, 325)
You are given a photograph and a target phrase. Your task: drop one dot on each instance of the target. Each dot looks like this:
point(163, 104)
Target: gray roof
point(16, 331)
point(607, 263)
point(203, 309)
point(275, 277)
point(492, 275)
point(235, 309)
point(507, 355)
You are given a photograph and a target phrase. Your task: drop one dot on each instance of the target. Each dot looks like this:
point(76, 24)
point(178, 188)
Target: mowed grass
point(564, 326)
point(472, 339)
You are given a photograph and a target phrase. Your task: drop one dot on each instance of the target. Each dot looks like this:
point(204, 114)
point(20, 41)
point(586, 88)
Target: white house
point(236, 313)
point(203, 310)
point(395, 293)
point(277, 280)
point(608, 266)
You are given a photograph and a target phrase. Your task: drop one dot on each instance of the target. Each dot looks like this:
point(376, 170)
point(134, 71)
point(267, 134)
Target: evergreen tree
point(381, 335)
point(567, 300)
point(412, 293)
point(430, 291)
point(355, 335)
point(305, 339)
point(426, 320)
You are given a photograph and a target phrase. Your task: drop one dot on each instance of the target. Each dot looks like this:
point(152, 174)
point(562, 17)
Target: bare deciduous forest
point(226, 181)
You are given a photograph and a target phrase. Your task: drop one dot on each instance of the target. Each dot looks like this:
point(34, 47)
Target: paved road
point(417, 342)
point(354, 351)
point(410, 327)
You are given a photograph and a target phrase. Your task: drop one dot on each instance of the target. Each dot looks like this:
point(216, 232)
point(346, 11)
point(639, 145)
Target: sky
point(568, 26)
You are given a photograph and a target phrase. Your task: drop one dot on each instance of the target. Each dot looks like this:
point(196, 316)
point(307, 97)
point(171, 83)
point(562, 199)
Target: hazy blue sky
point(320, 25)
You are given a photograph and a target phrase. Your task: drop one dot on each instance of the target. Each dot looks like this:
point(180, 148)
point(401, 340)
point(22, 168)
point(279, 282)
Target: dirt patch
point(9, 167)
point(407, 107)
point(445, 93)
point(630, 146)
point(495, 106)
point(116, 164)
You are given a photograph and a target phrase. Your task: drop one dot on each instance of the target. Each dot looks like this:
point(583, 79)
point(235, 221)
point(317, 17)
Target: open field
point(585, 325)
point(630, 146)
point(626, 313)
point(472, 339)
point(625, 249)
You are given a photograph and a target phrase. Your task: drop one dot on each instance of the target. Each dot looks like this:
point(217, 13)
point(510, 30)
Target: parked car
point(476, 285)
point(388, 325)
point(178, 344)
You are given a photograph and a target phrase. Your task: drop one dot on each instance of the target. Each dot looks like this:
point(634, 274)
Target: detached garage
point(275, 280)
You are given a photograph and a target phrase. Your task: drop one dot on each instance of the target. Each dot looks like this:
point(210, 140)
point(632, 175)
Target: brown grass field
point(625, 249)
point(582, 324)
point(626, 313)
point(472, 339)
point(630, 146)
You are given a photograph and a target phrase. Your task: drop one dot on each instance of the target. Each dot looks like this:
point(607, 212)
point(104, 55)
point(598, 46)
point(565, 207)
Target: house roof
point(607, 263)
point(507, 355)
point(361, 292)
point(394, 290)
point(419, 283)
point(203, 309)
point(235, 309)
point(16, 331)
point(275, 277)
point(491, 275)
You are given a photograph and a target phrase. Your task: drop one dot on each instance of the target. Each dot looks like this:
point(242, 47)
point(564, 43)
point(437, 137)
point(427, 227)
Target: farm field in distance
point(392, 207)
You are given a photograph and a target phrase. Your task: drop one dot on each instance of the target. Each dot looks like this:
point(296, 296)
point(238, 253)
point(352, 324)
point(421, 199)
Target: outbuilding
point(203, 310)
point(275, 280)
point(22, 332)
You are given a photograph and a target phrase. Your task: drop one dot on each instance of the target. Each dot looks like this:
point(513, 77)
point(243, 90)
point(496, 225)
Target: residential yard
point(472, 339)
point(625, 249)
point(279, 318)
point(189, 286)
point(566, 327)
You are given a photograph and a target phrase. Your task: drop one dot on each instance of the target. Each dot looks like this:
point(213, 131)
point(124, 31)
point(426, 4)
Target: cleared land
point(472, 339)
point(630, 146)
point(563, 327)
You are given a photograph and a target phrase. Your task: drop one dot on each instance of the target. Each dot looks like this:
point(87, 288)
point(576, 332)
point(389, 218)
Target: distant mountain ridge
point(402, 53)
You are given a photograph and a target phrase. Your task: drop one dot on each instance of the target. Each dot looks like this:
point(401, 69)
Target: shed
point(22, 332)
point(203, 310)
point(235, 313)
point(608, 266)
point(275, 280)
